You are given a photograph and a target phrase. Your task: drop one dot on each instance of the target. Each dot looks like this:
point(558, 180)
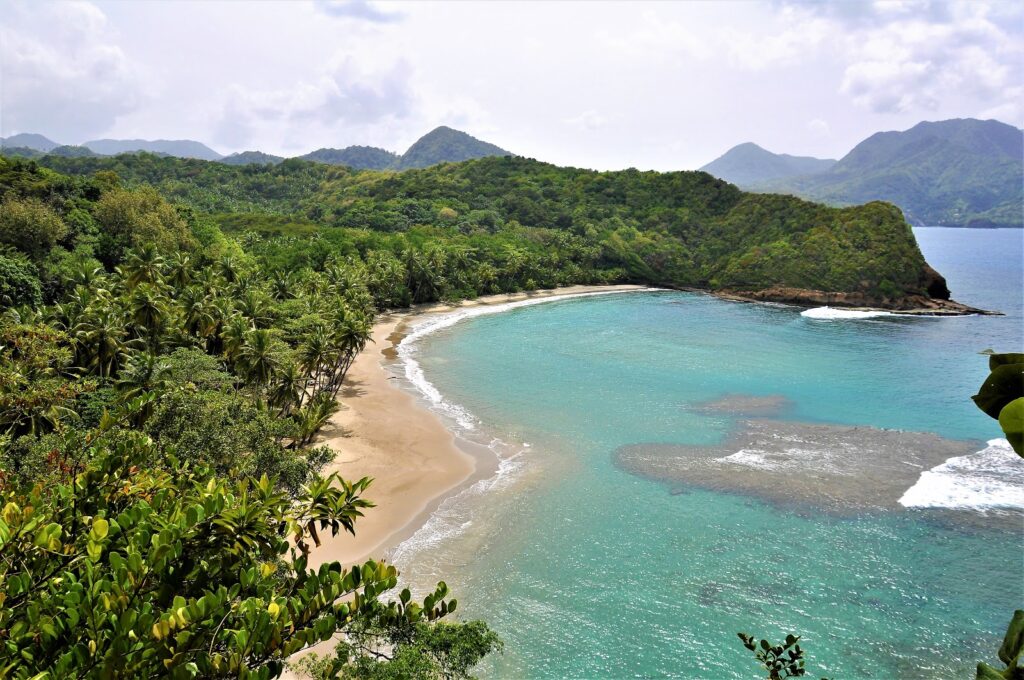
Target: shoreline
point(387, 432)
point(915, 305)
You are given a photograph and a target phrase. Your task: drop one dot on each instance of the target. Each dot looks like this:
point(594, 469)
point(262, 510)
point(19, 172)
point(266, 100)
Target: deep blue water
point(588, 571)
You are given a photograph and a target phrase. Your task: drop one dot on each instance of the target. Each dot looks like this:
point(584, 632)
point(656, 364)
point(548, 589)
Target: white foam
point(988, 479)
point(831, 314)
point(750, 458)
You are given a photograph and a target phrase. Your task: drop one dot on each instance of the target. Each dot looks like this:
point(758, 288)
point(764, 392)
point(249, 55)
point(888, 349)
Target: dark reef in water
point(840, 469)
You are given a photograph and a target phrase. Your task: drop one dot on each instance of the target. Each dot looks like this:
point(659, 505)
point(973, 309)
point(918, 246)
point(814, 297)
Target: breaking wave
point(988, 479)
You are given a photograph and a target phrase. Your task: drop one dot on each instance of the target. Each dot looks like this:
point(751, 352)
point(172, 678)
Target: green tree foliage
point(1001, 396)
point(1011, 653)
point(119, 568)
point(19, 282)
point(30, 226)
point(531, 221)
point(138, 218)
point(416, 650)
point(780, 661)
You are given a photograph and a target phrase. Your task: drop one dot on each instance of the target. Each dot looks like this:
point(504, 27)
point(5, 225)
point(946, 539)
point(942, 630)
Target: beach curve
point(392, 434)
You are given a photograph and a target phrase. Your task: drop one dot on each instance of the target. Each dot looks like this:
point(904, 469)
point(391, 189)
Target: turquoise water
point(587, 571)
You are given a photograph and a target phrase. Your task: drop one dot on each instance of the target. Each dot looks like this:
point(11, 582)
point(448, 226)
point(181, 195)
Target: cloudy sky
point(602, 85)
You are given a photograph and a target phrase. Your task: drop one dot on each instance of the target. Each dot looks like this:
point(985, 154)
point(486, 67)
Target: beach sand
point(386, 433)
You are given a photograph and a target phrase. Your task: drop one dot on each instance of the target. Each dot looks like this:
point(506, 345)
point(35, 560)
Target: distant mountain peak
point(441, 145)
point(447, 145)
point(251, 158)
point(182, 148)
point(748, 164)
point(958, 172)
point(29, 140)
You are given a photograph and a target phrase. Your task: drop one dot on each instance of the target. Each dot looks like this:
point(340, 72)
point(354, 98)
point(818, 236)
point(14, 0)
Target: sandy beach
point(384, 432)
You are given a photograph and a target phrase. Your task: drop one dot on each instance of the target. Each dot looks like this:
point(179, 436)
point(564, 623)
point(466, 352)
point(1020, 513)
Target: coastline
point(386, 432)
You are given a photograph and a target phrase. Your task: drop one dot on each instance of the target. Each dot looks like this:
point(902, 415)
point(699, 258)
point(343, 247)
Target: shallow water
point(587, 570)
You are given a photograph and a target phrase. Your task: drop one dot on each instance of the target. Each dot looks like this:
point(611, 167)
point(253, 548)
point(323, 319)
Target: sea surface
point(596, 553)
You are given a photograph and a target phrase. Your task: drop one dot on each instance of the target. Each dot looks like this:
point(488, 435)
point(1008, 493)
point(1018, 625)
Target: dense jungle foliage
point(541, 224)
point(176, 332)
point(160, 391)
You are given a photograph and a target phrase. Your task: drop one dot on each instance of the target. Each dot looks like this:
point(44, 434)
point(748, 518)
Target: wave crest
point(988, 479)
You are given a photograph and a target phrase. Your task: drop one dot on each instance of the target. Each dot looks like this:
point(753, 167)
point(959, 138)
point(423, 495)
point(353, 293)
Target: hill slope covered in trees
point(954, 172)
point(683, 229)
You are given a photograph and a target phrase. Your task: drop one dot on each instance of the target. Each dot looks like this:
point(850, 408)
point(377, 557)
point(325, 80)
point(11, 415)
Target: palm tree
point(282, 286)
point(143, 372)
point(228, 268)
point(100, 342)
point(232, 336)
point(142, 266)
point(179, 270)
point(148, 309)
point(315, 355)
point(197, 312)
point(288, 389)
point(313, 416)
point(254, 307)
point(258, 357)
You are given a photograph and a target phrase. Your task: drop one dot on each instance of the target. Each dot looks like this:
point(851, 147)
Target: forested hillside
point(161, 387)
point(953, 172)
point(534, 224)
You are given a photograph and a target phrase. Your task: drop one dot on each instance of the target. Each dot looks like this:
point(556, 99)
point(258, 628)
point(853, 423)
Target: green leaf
point(986, 672)
point(100, 527)
point(995, 360)
point(1013, 643)
point(1003, 385)
point(1011, 419)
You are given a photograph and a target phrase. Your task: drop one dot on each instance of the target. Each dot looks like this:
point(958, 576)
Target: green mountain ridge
point(28, 140)
point(251, 158)
point(441, 145)
point(749, 164)
point(360, 157)
point(181, 148)
point(445, 145)
point(962, 172)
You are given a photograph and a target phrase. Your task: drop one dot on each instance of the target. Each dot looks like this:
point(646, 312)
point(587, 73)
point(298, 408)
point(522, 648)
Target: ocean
point(674, 468)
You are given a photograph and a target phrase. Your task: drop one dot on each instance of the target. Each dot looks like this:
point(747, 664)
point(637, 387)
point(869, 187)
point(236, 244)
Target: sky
point(605, 85)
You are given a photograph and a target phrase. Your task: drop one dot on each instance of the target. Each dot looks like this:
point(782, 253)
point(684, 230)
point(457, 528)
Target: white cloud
point(918, 62)
point(588, 120)
point(357, 9)
point(341, 98)
point(63, 72)
point(819, 127)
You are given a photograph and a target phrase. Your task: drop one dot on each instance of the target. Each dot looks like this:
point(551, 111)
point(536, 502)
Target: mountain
point(748, 164)
point(71, 151)
point(445, 145)
point(21, 152)
point(29, 140)
point(251, 158)
point(359, 157)
point(180, 148)
point(961, 172)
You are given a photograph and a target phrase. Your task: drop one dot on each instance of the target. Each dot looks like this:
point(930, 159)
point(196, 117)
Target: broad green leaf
point(1004, 384)
point(1013, 643)
point(1011, 419)
point(995, 360)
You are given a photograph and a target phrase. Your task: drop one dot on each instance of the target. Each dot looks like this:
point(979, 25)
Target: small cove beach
point(386, 432)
